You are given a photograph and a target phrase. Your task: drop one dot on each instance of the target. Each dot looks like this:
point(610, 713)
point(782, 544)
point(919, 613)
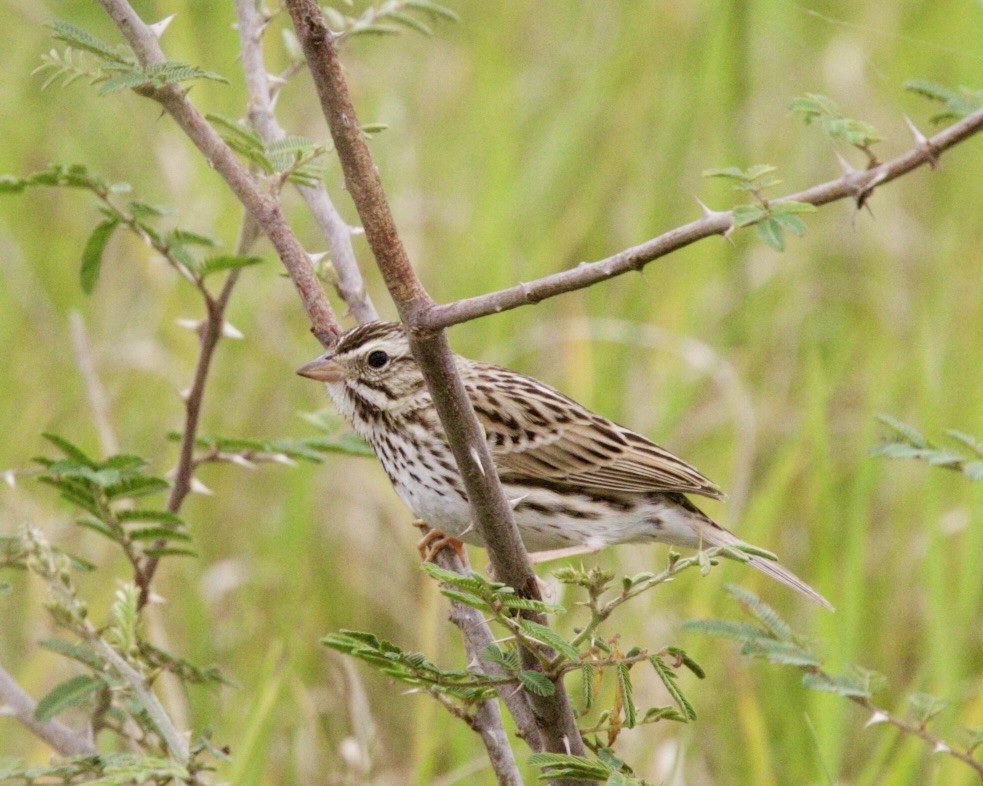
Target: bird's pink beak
point(323, 369)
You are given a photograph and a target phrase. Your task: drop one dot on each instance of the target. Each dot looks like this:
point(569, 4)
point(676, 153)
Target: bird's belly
point(431, 488)
point(442, 508)
point(550, 520)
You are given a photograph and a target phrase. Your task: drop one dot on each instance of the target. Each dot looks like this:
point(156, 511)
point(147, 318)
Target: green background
point(527, 138)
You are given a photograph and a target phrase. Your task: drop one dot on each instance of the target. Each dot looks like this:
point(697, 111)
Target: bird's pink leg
point(435, 540)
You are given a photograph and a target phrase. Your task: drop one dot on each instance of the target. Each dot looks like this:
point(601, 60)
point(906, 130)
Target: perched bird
point(576, 481)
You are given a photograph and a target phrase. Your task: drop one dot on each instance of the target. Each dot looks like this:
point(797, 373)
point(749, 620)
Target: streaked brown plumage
point(575, 479)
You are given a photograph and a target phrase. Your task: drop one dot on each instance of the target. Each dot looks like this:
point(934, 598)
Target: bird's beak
point(324, 369)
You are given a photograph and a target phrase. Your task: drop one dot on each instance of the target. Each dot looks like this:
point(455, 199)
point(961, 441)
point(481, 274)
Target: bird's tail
point(715, 535)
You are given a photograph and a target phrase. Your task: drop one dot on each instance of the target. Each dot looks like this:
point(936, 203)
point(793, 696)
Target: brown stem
point(361, 176)
point(492, 513)
point(209, 335)
point(858, 184)
point(486, 720)
point(938, 744)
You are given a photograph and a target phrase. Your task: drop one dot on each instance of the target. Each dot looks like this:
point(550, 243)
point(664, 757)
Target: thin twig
point(208, 337)
point(858, 184)
point(492, 514)
point(75, 617)
point(938, 744)
point(16, 703)
point(337, 234)
point(173, 739)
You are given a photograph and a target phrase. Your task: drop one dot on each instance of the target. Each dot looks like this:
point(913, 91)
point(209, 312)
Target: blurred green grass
point(523, 140)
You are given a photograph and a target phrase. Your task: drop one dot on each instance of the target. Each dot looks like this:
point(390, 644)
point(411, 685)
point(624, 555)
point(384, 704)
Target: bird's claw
point(435, 540)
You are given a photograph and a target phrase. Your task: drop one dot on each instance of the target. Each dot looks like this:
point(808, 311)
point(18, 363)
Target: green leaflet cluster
point(293, 159)
point(769, 219)
point(111, 68)
point(771, 638)
point(106, 491)
point(906, 442)
point(391, 17)
point(605, 670)
point(957, 104)
point(177, 245)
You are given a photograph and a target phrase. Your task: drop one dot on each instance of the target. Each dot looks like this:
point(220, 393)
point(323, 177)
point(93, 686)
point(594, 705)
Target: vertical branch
point(337, 234)
point(209, 335)
point(487, 720)
point(491, 510)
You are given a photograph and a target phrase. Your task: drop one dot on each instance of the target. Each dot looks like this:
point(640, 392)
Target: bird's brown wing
point(537, 434)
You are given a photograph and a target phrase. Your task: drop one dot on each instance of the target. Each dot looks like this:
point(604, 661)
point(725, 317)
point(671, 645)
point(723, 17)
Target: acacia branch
point(856, 184)
point(264, 210)
point(209, 335)
point(16, 703)
point(938, 744)
point(491, 511)
point(337, 234)
point(487, 718)
point(264, 207)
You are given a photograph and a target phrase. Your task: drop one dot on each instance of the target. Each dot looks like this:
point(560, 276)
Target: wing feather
point(537, 433)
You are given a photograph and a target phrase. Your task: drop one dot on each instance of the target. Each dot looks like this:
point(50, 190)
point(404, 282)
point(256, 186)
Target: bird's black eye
point(378, 358)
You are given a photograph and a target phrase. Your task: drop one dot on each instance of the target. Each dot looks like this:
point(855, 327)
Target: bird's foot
point(435, 540)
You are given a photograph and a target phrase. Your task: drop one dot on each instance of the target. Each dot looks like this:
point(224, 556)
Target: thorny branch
point(264, 210)
point(209, 334)
point(425, 319)
point(487, 719)
point(337, 234)
point(855, 184)
point(878, 715)
point(263, 207)
point(491, 510)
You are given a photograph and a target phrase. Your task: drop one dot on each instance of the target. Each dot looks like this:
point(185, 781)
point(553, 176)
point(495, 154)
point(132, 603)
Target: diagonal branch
point(209, 335)
point(264, 210)
point(491, 510)
point(938, 744)
point(18, 705)
point(857, 184)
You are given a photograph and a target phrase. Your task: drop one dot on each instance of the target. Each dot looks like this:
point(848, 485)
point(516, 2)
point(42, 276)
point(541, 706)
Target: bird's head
point(372, 362)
